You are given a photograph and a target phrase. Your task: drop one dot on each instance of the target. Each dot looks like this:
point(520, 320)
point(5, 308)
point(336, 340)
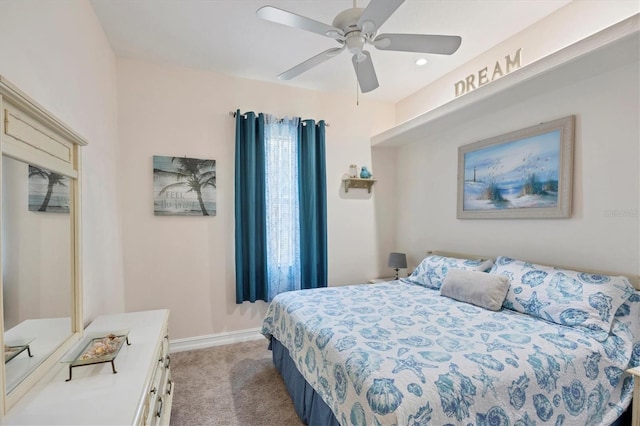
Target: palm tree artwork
point(184, 186)
point(48, 191)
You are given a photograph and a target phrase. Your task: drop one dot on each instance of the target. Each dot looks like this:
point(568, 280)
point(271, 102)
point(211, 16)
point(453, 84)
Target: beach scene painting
point(48, 191)
point(184, 186)
point(523, 174)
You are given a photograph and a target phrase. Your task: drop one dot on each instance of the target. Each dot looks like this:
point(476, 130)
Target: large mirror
point(40, 280)
point(36, 266)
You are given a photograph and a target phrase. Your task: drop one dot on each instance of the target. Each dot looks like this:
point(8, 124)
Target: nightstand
point(380, 280)
point(636, 396)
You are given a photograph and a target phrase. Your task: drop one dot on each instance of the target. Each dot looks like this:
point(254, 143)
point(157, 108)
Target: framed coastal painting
point(524, 174)
point(184, 186)
point(48, 191)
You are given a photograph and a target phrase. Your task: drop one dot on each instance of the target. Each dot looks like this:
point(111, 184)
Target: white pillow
point(479, 288)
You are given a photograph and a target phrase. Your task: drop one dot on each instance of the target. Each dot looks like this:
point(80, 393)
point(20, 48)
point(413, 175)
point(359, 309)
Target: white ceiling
point(225, 36)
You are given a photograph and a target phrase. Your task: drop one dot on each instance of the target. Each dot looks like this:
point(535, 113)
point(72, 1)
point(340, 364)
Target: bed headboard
point(633, 279)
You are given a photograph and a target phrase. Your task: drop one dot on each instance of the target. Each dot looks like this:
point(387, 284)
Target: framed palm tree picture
point(184, 186)
point(48, 191)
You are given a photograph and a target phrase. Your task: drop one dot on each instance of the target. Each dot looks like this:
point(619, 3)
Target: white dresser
point(140, 393)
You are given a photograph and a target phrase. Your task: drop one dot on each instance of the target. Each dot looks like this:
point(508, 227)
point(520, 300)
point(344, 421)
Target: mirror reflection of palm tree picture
point(184, 186)
point(48, 191)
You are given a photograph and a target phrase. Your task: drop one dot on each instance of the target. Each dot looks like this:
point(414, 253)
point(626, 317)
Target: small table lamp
point(397, 261)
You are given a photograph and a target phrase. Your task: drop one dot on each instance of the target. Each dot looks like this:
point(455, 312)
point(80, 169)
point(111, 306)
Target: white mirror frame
point(29, 133)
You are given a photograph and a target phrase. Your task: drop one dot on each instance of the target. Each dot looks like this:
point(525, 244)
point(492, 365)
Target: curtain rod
point(233, 114)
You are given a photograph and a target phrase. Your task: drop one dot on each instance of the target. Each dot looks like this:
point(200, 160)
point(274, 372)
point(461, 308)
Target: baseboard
point(219, 339)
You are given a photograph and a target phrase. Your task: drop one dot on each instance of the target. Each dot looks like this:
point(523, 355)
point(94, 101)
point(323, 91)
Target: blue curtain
point(250, 209)
point(312, 186)
point(280, 206)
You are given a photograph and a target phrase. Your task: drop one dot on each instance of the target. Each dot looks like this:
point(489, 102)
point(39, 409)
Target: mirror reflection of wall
point(36, 273)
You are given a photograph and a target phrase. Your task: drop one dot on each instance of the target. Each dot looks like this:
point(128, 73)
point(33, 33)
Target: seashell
point(298, 340)
point(543, 407)
point(512, 362)
point(573, 316)
point(323, 338)
point(452, 344)
point(358, 416)
point(415, 389)
point(496, 416)
point(310, 360)
point(383, 396)
point(402, 351)
point(360, 365)
point(378, 346)
point(403, 320)
point(627, 387)
point(595, 407)
point(416, 341)
point(613, 375)
point(341, 382)
point(485, 360)
point(601, 303)
point(564, 289)
point(557, 399)
point(591, 365)
point(534, 278)
point(504, 260)
point(593, 278)
point(517, 391)
point(560, 420)
point(574, 397)
point(462, 333)
point(559, 341)
point(490, 326)
point(456, 391)
point(345, 343)
point(375, 333)
point(516, 338)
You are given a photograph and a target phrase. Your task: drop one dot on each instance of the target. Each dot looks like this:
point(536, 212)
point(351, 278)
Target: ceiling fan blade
point(377, 12)
point(424, 43)
point(365, 72)
point(310, 63)
point(290, 19)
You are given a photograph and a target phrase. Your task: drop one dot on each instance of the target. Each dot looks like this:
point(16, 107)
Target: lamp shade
point(397, 260)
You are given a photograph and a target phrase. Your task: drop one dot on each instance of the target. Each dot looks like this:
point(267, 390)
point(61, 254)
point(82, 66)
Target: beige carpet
point(234, 385)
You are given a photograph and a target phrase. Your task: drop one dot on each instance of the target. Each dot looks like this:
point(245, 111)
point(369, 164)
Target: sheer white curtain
point(283, 224)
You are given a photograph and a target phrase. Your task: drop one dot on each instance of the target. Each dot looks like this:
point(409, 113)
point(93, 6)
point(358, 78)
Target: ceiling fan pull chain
point(357, 91)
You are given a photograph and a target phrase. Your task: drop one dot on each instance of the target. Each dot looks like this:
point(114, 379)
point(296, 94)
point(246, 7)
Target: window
point(279, 173)
point(282, 205)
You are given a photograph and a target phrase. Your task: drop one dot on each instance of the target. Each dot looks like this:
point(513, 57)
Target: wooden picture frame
point(525, 174)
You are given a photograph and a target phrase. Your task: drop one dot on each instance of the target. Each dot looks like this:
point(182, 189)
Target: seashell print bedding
point(399, 353)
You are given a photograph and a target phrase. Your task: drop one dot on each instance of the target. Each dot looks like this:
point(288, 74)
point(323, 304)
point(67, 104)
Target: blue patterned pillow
point(433, 269)
point(578, 299)
point(627, 317)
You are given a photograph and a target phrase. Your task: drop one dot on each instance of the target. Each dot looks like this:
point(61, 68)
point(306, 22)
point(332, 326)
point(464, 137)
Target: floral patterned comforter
point(399, 353)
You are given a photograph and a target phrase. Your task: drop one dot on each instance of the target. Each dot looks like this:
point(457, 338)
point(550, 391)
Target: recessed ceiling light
point(420, 62)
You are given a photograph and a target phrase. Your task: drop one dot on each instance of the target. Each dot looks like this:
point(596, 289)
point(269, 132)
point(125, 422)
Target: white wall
point(57, 53)
point(603, 232)
point(187, 263)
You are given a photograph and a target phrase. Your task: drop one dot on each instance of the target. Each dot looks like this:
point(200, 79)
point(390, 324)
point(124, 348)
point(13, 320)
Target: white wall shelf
point(358, 183)
point(610, 48)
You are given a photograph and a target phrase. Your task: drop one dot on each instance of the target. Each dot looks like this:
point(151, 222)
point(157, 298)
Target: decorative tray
point(13, 349)
point(97, 350)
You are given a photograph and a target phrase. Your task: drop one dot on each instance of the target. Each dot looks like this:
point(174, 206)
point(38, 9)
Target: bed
point(400, 353)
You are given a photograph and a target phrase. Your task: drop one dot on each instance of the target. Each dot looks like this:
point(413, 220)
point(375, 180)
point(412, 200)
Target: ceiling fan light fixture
point(421, 61)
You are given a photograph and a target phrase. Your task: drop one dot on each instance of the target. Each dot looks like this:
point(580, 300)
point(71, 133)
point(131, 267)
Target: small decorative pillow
point(479, 288)
point(572, 298)
point(433, 269)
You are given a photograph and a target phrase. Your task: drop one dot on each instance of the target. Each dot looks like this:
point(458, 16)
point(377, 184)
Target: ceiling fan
point(353, 29)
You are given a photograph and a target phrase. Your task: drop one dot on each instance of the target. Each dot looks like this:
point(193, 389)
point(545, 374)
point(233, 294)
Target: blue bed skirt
point(311, 409)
